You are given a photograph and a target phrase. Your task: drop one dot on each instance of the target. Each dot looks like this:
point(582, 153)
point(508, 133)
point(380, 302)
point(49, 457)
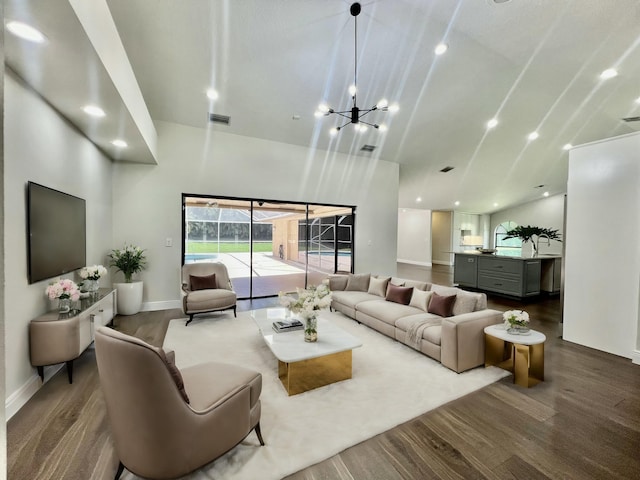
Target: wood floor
point(583, 422)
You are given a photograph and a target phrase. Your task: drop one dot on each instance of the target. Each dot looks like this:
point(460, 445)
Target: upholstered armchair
point(206, 287)
point(167, 422)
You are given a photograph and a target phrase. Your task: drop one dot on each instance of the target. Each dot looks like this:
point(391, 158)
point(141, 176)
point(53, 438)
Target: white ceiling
point(533, 64)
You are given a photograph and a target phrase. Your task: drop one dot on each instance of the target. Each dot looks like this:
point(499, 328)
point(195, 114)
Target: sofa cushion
point(400, 295)
point(466, 302)
point(351, 299)
point(206, 282)
point(431, 334)
point(358, 283)
point(378, 286)
point(420, 299)
point(441, 305)
point(401, 282)
point(338, 282)
point(387, 312)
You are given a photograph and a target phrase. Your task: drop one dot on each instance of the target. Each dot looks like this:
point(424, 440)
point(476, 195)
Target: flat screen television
point(56, 232)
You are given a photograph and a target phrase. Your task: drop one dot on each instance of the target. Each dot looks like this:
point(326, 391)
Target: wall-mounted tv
point(56, 232)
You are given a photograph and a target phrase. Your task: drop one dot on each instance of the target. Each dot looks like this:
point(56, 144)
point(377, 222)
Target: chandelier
point(355, 114)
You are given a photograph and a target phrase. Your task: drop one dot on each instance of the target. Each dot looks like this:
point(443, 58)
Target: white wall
point(546, 212)
point(42, 147)
point(602, 264)
point(441, 236)
point(414, 236)
point(147, 199)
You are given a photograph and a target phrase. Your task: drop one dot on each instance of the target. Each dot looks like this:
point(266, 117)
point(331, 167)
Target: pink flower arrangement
point(63, 288)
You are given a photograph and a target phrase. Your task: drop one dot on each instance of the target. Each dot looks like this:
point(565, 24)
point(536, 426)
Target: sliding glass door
point(268, 246)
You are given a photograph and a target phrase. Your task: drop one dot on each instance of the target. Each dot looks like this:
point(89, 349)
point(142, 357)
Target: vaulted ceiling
point(534, 65)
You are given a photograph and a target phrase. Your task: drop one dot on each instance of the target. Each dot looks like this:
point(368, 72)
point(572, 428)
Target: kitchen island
point(508, 275)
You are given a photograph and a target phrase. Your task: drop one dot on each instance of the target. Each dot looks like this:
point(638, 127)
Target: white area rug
point(391, 384)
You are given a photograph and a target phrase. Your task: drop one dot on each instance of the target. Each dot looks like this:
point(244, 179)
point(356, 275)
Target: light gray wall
point(414, 236)
point(602, 265)
point(42, 147)
point(547, 212)
point(441, 236)
point(147, 199)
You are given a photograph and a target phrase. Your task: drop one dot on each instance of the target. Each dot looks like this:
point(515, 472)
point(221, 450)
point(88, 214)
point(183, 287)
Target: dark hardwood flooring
point(582, 422)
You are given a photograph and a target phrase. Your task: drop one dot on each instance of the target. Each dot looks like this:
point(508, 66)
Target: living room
point(138, 203)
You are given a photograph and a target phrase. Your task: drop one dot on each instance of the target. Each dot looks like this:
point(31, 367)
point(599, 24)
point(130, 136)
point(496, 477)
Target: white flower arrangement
point(63, 288)
point(93, 272)
point(309, 300)
point(515, 318)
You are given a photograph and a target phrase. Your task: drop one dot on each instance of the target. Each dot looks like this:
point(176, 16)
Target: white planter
point(129, 297)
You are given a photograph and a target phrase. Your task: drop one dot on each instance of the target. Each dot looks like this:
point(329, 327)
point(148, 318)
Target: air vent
point(223, 119)
point(539, 186)
point(368, 148)
point(446, 169)
point(631, 119)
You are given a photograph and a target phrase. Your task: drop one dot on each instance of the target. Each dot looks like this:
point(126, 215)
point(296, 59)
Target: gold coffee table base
point(298, 377)
point(526, 362)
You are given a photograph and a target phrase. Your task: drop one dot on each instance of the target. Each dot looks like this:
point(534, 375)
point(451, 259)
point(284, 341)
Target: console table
point(62, 337)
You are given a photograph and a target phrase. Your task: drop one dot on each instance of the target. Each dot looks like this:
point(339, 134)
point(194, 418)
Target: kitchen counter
point(508, 275)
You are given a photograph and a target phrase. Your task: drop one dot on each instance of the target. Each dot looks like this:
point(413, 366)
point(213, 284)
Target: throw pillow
point(420, 299)
point(465, 301)
point(442, 306)
point(378, 286)
point(338, 282)
point(358, 283)
point(169, 360)
point(203, 283)
point(400, 295)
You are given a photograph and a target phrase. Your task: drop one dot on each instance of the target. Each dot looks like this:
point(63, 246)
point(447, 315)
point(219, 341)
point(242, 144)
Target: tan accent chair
point(210, 300)
point(156, 433)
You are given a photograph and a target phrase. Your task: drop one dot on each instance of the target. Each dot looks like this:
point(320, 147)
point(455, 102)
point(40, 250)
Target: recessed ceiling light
point(212, 94)
point(93, 110)
point(567, 146)
point(456, 203)
point(492, 123)
point(119, 143)
point(533, 135)
point(419, 199)
point(441, 48)
point(495, 204)
point(26, 32)
point(545, 194)
point(638, 100)
point(608, 73)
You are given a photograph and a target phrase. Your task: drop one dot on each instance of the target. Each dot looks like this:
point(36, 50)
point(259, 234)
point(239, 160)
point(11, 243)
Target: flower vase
point(64, 305)
point(518, 330)
point(91, 286)
point(311, 329)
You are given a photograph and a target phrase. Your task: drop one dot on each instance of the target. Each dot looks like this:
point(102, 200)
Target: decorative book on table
point(287, 325)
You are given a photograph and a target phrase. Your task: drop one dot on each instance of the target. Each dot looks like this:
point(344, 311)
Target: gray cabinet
point(509, 276)
point(465, 271)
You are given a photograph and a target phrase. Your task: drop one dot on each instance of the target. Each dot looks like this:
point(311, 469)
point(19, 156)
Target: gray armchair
point(167, 422)
point(206, 287)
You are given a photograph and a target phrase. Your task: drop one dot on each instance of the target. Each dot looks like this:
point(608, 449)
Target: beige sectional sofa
point(445, 323)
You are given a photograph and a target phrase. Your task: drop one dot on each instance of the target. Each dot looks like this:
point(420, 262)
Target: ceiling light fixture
point(93, 110)
point(545, 194)
point(355, 114)
point(567, 146)
point(533, 135)
point(492, 123)
point(609, 73)
point(119, 143)
point(26, 32)
point(638, 100)
point(441, 48)
point(456, 203)
point(212, 94)
point(419, 199)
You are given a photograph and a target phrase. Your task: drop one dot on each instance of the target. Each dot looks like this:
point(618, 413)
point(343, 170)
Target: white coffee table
point(304, 366)
point(523, 355)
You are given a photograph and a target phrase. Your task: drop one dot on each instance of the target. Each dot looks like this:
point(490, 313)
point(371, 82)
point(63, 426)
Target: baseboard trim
point(439, 262)
point(635, 357)
point(20, 397)
point(164, 305)
point(413, 262)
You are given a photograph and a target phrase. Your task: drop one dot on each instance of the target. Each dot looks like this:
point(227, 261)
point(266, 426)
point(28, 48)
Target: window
point(510, 246)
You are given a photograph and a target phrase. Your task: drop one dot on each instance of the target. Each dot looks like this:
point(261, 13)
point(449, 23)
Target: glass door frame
point(259, 201)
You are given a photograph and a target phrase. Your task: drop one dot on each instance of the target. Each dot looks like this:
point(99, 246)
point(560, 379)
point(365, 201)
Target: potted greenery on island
point(128, 260)
point(527, 234)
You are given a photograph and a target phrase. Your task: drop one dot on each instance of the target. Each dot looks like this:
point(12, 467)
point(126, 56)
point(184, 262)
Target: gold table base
point(526, 362)
point(305, 375)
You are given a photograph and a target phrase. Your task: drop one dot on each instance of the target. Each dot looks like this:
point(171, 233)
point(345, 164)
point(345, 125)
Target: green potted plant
point(128, 260)
point(527, 234)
